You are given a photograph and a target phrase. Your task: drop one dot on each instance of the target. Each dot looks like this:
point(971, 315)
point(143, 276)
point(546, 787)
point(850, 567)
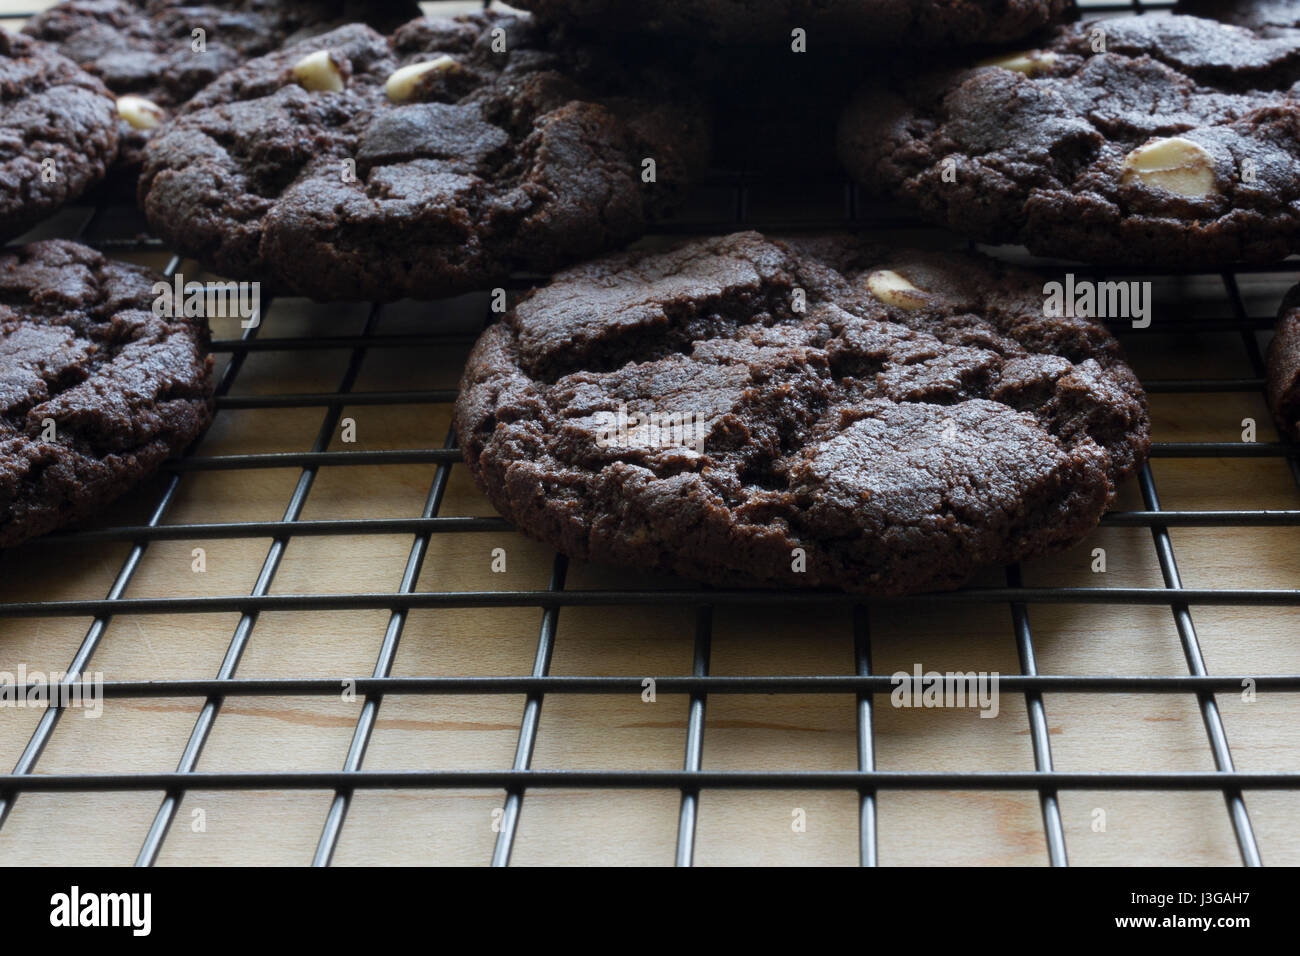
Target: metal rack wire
point(691, 780)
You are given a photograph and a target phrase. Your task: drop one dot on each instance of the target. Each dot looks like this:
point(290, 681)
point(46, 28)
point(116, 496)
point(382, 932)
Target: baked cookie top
point(155, 54)
point(58, 129)
point(1167, 141)
point(96, 390)
point(874, 23)
point(1284, 367)
point(804, 413)
point(354, 166)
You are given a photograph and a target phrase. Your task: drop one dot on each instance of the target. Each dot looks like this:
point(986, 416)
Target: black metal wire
point(868, 844)
point(516, 780)
point(509, 821)
point(386, 600)
point(688, 815)
point(1052, 826)
point(858, 681)
point(460, 525)
point(695, 685)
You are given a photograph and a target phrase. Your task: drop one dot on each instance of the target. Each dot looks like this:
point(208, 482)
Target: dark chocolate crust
point(505, 161)
point(59, 130)
point(899, 447)
point(1004, 156)
point(871, 23)
point(1284, 367)
point(80, 346)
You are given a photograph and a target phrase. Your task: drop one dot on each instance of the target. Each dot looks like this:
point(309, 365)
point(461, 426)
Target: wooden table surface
point(1095, 732)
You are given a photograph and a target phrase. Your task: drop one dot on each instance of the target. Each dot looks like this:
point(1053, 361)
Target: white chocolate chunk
point(401, 85)
point(1175, 164)
point(139, 112)
point(892, 289)
point(318, 72)
point(1030, 63)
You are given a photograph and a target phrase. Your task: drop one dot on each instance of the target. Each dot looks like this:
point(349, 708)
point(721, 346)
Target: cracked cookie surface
point(146, 48)
point(875, 23)
point(95, 389)
point(58, 132)
point(899, 418)
point(1177, 147)
point(433, 161)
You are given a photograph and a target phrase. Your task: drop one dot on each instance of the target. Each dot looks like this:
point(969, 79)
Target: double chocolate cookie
point(801, 413)
point(155, 54)
point(1165, 141)
point(873, 23)
point(354, 166)
point(96, 390)
point(1284, 367)
point(58, 132)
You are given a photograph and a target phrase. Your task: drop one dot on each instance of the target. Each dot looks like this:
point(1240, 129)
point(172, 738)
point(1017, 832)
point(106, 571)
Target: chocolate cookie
point(95, 388)
point(1284, 367)
point(1256, 14)
point(800, 413)
point(59, 132)
point(156, 54)
point(875, 23)
point(1164, 141)
point(351, 166)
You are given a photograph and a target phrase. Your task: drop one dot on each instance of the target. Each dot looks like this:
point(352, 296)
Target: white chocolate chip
point(1030, 63)
point(139, 112)
point(318, 72)
point(892, 289)
point(401, 85)
point(1175, 164)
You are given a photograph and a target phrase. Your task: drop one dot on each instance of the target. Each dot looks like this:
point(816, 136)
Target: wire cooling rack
point(1219, 312)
